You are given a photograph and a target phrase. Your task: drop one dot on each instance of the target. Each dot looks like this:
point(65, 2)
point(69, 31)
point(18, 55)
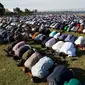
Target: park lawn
point(10, 74)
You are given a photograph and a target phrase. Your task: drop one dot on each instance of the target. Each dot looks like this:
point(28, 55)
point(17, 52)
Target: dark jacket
point(59, 75)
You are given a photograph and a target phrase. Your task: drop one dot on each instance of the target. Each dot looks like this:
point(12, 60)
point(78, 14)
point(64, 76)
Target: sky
point(44, 5)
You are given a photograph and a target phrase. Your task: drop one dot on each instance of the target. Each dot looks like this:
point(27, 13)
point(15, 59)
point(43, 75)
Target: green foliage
point(22, 13)
point(2, 9)
point(18, 11)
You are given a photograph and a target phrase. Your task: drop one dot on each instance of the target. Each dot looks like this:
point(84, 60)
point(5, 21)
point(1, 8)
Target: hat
point(73, 82)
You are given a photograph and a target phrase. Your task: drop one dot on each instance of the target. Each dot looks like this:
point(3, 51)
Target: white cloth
point(57, 46)
point(79, 40)
point(17, 52)
point(81, 21)
point(18, 45)
point(72, 29)
point(32, 60)
point(57, 35)
point(84, 31)
point(40, 69)
point(41, 27)
point(68, 48)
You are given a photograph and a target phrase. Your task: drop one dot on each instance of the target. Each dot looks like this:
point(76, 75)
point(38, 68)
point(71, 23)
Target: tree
point(27, 11)
point(2, 9)
point(18, 11)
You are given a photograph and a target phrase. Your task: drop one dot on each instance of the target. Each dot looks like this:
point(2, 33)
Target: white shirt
point(57, 35)
point(40, 69)
point(32, 60)
point(18, 45)
point(68, 48)
point(57, 46)
point(84, 31)
point(79, 40)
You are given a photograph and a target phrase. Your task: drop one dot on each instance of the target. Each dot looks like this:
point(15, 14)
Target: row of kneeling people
point(74, 27)
point(59, 42)
point(41, 67)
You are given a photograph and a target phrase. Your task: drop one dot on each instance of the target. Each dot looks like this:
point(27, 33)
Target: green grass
point(10, 74)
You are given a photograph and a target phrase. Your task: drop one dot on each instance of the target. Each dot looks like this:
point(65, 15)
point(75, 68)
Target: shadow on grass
point(79, 74)
point(80, 53)
point(43, 80)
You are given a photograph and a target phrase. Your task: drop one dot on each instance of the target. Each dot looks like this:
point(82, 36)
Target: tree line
point(16, 11)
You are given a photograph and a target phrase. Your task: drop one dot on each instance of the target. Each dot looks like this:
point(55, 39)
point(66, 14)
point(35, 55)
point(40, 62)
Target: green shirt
point(73, 82)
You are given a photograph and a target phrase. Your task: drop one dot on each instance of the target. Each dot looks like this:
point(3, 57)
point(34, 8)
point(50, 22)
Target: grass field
point(10, 74)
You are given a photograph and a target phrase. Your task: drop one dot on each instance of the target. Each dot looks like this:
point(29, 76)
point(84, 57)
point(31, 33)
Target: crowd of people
point(17, 31)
